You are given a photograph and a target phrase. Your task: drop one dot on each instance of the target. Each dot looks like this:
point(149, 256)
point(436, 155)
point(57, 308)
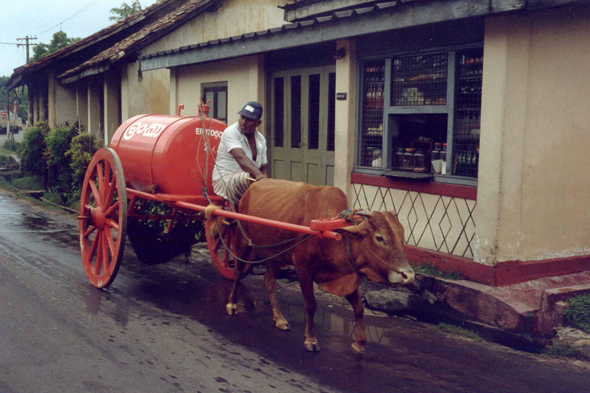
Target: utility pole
point(26, 39)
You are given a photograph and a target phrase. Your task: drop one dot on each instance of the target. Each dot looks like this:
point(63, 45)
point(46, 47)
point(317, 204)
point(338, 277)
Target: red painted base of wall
point(504, 273)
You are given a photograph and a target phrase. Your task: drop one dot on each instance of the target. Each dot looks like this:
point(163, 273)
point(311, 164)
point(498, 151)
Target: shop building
point(467, 117)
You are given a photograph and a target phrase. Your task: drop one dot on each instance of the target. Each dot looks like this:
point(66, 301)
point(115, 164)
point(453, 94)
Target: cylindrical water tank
point(173, 153)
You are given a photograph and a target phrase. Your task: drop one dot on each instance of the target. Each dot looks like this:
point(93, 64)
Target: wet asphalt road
point(164, 329)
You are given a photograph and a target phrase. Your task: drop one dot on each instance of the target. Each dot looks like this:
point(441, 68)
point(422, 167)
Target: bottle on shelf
point(435, 158)
point(409, 159)
point(419, 162)
point(399, 159)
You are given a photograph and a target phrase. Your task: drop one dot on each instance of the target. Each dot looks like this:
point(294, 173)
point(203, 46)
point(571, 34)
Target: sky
point(43, 18)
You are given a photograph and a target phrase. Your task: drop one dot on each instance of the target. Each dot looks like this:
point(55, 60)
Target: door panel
point(303, 125)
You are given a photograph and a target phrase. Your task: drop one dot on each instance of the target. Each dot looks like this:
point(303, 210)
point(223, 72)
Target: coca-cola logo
point(148, 130)
point(213, 133)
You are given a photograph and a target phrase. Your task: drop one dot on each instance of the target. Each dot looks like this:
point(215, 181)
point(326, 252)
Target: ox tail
point(216, 221)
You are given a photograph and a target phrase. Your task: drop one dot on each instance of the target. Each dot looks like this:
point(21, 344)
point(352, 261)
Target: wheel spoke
point(89, 231)
point(101, 182)
point(105, 253)
point(93, 249)
point(111, 223)
point(110, 210)
point(98, 240)
point(95, 192)
point(110, 241)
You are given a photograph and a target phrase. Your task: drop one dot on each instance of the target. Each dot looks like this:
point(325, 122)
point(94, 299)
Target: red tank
point(171, 152)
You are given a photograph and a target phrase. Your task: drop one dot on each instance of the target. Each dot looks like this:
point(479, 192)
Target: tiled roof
point(112, 29)
point(139, 39)
point(335, 16)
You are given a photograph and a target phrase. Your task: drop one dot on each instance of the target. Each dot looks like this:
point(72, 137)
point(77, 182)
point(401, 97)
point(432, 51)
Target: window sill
point(409, 175)
point(426, 185)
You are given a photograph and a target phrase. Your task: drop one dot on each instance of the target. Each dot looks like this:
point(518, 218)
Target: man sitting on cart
point(241, 155)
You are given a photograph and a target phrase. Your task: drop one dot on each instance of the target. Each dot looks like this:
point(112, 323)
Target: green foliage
point(563, 350)
point(578, 314)
point(459, 331)
point(59, 41)
point(58, 143)
point(150, 240)
point(434, 271)
point(13, 146)
point(28, 183)
point(80, 154)
point(32, 149)
point(125, 11)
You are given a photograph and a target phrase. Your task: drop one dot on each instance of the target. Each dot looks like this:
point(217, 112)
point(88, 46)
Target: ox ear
point(360, 230)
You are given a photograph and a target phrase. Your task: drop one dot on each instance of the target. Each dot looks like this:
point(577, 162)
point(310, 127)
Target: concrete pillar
point(111, 117)
point(42, 102)
point(32, 91)
point(346, 72)
point(65, 103)
point(82, 103)
point(503, 129)
point(94, 93)
point(51, 100)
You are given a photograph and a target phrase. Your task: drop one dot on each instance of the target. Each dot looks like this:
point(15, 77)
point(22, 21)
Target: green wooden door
point(302, 137)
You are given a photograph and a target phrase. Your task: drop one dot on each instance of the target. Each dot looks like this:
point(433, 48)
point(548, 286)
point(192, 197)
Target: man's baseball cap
point(252, 110)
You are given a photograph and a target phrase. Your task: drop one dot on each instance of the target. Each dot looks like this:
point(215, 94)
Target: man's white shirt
point(230, 139)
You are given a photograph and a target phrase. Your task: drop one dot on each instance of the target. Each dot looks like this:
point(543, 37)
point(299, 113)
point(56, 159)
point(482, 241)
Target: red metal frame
point(321, 228)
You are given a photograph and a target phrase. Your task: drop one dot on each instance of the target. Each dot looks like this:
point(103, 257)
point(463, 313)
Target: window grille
point(433, 110)
point(372, 115)
point(469, 70)
point(419, 80)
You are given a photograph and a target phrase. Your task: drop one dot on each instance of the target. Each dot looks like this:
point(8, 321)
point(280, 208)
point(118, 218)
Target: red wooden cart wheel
point(103, 218)
point(224, 261)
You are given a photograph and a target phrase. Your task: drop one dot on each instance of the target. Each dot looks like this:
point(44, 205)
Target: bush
point(58, 143)
point(33, 147)
point(28, 183)
point(80, 154)
point(12, 146)
point(578, 314)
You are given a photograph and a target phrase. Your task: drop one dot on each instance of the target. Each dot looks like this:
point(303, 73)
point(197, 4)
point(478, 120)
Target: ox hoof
point(283, 325)
point(312, 347)
point(359, 349)
point(232, 309)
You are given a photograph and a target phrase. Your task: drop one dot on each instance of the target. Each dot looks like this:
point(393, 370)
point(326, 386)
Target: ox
point(373, 248)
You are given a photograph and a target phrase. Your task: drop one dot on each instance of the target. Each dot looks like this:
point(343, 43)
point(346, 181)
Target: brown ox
point(373, 248)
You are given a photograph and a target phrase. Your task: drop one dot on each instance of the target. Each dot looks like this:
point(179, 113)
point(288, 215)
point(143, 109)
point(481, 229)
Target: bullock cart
point(168, 160)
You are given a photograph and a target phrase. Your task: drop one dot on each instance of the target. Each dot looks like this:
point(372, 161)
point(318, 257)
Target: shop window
point(421, 114)
point(217, 94)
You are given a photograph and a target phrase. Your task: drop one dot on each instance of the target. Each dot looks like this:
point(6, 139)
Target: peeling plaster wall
point(244, 77)
point(533, 197)
point(148, 94)
point(235, 17)
point(152, 93)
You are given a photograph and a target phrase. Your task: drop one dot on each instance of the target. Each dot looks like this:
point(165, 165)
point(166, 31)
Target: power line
point(87, 6)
